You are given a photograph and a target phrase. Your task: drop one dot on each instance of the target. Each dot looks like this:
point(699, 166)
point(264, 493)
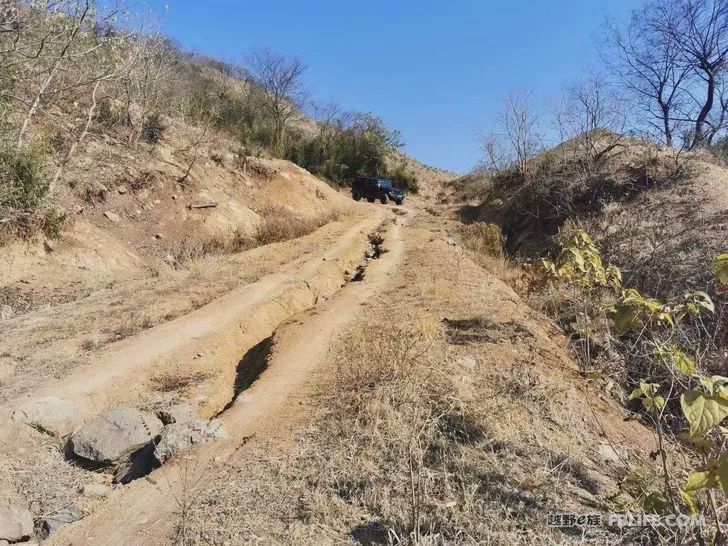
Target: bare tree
point(497, 158)
point(648, 64)
point(281, 80)
point(518, 138)
point(146, 82)
point(591, 116)
point(699, 30)
point(51, 50)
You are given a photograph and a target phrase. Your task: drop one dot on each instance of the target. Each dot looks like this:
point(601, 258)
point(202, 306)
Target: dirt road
point(263, 354)
point(145, 511)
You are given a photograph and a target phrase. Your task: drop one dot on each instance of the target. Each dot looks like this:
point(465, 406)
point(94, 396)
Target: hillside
point(205, 340)
point(659, 215)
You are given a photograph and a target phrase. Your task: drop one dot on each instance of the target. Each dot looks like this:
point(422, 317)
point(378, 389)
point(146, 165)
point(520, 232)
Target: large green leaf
point(625, 319)
point(676, 359)
point(700, 480)
point(703, 412)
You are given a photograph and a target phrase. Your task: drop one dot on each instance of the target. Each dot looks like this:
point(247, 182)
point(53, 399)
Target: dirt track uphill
point(141, 513)
point(191, 359)
point(254, 363)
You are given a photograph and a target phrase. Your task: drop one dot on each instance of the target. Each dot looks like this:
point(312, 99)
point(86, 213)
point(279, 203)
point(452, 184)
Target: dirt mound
point(660, 215)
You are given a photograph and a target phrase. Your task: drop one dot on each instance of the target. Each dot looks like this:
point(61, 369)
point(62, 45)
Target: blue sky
point(435, 70)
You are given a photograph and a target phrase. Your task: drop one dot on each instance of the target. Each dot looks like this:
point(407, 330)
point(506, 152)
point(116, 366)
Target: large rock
point(179, 437)
point(16, 523)
point(115, 435)
point(111, 215)
point(55, 416)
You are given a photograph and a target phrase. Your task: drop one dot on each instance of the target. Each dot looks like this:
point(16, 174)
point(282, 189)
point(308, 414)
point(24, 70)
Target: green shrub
point(358, 148)
point(25, 208)
point(403, 178)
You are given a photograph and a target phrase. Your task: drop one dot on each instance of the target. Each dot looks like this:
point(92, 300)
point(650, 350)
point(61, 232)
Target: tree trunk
point(77, 143)
point(699, 136)
point(666, 123)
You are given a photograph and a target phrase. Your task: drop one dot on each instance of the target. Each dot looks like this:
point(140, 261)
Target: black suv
point(376, 188)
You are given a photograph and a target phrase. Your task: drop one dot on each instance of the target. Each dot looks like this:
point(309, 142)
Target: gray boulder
point(50, 524)
point(115, 435)
point(179, 437)
point(16, 523)
point(54, 416)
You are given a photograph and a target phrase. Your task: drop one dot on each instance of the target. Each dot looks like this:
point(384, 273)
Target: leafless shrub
point(281, 80)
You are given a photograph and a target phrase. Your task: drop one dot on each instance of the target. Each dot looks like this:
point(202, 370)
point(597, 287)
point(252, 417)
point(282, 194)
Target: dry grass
point(406, 448)
point(178, 381)
point(278, 225)
point(487, 246)
point(281, 224)
point(483, 238)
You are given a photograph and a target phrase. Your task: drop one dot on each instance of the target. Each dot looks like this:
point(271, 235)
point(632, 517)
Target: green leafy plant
point(634, 311)
point(579, 263)
point(673, 394)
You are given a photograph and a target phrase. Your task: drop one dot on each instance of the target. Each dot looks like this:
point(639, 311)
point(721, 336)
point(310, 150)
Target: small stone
point(610, 454)
point(54, 416)
point(49, 245)
point(78, 209)
point(96, 490)
point(16, 523)
point(452, 241)
point(144, 194)
point(112, 216)
point(6, 312)
point(468, 362)
point(122, 190)
point(157, 201)
point(179, 437)
point(115, 435)
point(50, 524)
point(158, 236)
